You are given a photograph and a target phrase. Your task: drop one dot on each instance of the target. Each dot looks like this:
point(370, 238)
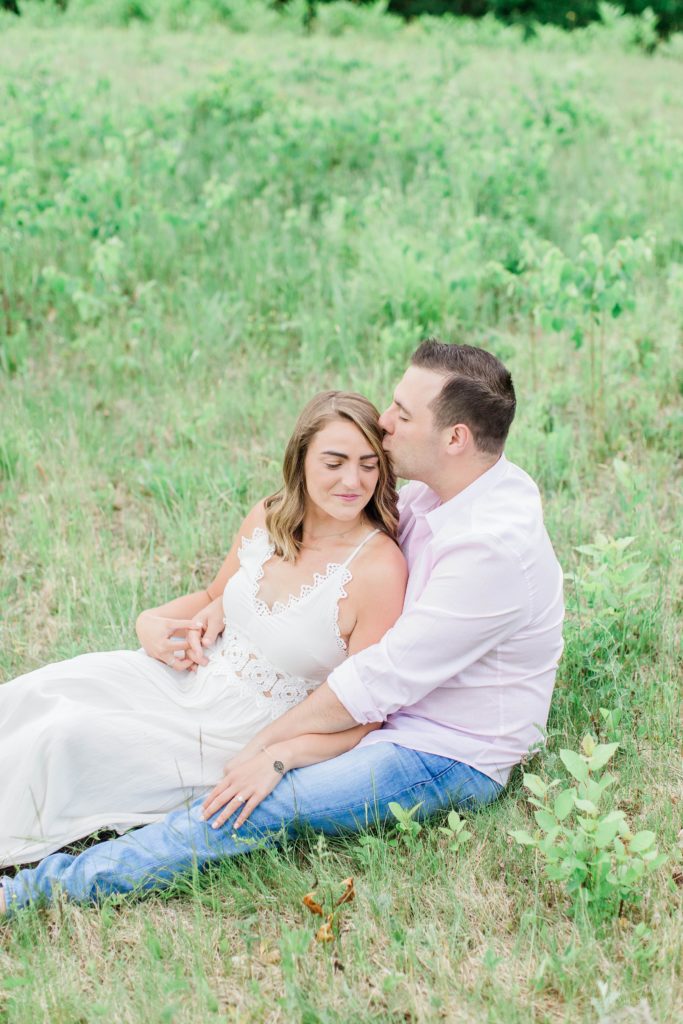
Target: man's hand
point(158, 636)
point(244, 785)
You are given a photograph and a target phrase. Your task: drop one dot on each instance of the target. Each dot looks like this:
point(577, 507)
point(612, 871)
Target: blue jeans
point(345, 794)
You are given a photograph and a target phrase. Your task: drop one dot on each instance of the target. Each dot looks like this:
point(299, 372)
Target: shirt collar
point(439, 514)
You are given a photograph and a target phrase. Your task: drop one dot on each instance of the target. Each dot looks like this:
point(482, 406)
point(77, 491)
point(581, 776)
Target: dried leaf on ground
point(309, 901)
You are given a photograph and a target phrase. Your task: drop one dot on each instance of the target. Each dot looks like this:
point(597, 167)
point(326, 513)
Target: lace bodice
point(280, 654)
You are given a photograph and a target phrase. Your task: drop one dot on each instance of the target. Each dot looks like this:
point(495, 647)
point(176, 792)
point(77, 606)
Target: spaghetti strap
point(361, 545)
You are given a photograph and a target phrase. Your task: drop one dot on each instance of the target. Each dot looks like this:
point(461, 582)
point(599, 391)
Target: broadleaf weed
point(584, 840)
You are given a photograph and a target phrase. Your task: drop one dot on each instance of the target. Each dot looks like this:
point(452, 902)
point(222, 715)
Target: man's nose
point(385, 420)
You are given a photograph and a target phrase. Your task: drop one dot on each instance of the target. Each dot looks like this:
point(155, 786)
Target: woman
point(118, 739)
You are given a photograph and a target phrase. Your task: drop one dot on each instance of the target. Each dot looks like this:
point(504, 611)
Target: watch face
point(279, 767)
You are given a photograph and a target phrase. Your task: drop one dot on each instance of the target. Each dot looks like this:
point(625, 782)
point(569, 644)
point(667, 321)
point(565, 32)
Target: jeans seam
point(468, 766)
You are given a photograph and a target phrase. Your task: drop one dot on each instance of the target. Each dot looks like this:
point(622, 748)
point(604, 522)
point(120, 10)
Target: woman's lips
point(347, 497)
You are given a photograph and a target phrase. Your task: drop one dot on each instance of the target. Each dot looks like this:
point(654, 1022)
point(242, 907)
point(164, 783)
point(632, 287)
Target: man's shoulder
point(516, 476)
point(506, 516)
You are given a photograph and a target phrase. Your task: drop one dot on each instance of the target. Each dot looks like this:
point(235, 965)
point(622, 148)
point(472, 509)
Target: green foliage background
point(567, 13)
point(202, 224)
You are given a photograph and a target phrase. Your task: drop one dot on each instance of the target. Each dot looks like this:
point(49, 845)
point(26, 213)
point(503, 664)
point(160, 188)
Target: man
point(462, 682)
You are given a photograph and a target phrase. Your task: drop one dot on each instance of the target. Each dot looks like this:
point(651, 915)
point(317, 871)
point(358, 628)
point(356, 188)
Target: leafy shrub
point(568, 13)
point(583, 840)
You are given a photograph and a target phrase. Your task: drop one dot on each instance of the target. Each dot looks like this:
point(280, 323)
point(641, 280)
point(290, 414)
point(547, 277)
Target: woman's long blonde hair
point(286, 508)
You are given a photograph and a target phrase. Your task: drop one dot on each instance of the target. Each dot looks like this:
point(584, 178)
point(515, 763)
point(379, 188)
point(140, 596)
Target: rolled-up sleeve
point(475, 597)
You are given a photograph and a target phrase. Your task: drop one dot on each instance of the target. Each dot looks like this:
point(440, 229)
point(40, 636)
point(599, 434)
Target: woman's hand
point(209, 625)
point(251, 749)
point(244, 785)
point(158, 636)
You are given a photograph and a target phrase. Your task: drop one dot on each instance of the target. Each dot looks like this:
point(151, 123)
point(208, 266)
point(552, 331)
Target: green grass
point(198, 230)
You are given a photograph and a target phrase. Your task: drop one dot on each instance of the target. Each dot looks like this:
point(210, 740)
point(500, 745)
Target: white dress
point(117, 739)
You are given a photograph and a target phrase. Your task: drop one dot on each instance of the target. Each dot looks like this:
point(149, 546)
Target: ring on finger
point(179, 654)
point(238, 796)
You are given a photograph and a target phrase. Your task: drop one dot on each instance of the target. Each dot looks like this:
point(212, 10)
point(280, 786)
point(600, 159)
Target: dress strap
point(361, 545)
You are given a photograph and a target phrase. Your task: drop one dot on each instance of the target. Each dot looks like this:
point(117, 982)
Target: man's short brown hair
point(477, 391)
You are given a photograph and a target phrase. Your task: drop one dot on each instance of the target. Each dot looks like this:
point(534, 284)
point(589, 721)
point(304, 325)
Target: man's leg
point(347, 793)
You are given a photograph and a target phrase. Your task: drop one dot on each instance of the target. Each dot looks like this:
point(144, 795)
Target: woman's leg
point(347, 793)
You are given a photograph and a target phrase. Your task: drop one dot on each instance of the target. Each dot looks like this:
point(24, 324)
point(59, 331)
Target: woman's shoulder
point(380, 562)
point(254, 520)
point(377, 590)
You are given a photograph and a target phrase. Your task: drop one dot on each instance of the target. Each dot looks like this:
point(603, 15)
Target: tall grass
point(200, 229)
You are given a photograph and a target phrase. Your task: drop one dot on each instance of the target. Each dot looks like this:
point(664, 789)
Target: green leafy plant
point(610, 718)
point(456, 832)
point(583, 840)
point(610, 574)
point(406, 824)
point(612, 626)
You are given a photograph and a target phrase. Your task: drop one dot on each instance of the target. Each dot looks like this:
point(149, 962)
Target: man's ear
point(460, 439)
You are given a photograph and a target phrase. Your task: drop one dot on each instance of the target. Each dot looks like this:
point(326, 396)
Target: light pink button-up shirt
point(468, 669)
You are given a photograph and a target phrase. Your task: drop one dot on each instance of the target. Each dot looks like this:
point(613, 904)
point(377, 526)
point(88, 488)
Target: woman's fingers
point(249, 806)
point(184, 624)
point(216, 799)
point(214, 626)
point(174, 652)
point(196, 653)
point(180, 664)
point(209, 638)
point(225, 794)
point(233, 805)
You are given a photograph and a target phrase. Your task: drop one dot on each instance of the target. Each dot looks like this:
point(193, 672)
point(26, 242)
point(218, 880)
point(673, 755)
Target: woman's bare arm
point(311, 748)
point(156, 627)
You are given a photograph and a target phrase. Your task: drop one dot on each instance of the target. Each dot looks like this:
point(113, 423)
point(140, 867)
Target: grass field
point(198, 230)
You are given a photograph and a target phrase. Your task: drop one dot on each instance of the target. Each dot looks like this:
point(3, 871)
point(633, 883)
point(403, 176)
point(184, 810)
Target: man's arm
point(321, 712)
point(475, 598)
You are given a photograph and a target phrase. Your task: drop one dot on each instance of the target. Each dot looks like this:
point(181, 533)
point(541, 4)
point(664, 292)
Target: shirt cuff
point(348, 687)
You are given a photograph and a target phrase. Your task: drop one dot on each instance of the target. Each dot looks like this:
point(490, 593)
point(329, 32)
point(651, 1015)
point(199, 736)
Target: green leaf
point(535, 785)
point(606, 832)
point(642, 841)
point(545, 820)
point(523, 838)
point(563, 803)
point(587, 806)
point(403, 815)
point(575, 765)
point(455, 822)
point(603, 752)
point(547, 843)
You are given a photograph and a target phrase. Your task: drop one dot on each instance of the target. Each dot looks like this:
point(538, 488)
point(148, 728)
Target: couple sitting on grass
point(356, 647)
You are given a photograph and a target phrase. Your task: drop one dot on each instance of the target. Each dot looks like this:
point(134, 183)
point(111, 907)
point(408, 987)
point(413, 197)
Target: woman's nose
point(351, 476)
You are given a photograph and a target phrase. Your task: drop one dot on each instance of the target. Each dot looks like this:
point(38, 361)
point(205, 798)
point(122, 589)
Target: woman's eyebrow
point(343, 455)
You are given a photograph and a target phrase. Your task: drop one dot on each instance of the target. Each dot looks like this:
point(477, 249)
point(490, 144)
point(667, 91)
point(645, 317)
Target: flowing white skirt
point(111, 740)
